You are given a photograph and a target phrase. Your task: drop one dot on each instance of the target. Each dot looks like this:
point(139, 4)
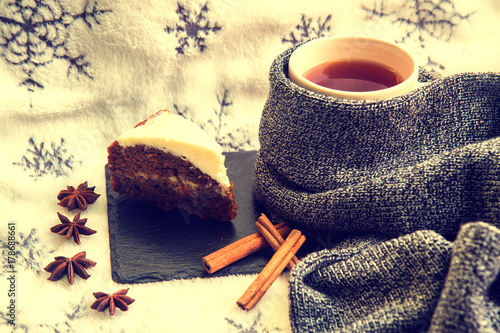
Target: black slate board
point(148, 244)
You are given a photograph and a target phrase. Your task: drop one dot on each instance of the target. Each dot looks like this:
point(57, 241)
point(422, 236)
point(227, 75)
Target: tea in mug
point(356, 75)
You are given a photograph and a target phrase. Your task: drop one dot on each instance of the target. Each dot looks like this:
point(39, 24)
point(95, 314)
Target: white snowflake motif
point(33, 33)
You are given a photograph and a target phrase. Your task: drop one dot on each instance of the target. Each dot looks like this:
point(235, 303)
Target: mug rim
point(405, 86)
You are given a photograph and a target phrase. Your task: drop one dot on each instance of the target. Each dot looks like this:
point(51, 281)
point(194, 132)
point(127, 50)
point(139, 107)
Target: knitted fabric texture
point(407, 174)
point(414, 283)
point(388, 166)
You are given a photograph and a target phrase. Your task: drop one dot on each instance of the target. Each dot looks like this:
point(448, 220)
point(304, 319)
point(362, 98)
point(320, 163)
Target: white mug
point(328, 49)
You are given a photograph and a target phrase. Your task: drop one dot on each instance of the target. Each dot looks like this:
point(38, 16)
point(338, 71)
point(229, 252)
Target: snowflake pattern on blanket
point(231, 139)
point(35, 33)
point(40, 160)
point(420, 20)
point(309, 28)
point(256, 326)
point(193, 28)
point(29, 253)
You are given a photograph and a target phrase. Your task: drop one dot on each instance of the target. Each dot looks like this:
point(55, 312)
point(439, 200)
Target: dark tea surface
point(353, 75)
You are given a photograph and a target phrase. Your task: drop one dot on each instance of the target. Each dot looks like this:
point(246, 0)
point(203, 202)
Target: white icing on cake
point(180, 137)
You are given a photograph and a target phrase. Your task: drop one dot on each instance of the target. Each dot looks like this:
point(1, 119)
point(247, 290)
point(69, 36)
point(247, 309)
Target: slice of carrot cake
point(168, 161)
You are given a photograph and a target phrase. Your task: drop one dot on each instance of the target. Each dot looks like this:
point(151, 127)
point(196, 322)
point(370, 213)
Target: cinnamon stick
point(272, 236)
point(239, 249)
point(272, 270)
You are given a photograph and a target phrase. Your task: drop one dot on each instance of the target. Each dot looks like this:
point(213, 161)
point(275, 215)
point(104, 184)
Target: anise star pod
point(118, 300)
point(77, 198)
point(70, 266)
point(73, 228)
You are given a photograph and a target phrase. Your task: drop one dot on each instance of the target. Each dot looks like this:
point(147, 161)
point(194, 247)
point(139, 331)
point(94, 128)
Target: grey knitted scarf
point(408, 173)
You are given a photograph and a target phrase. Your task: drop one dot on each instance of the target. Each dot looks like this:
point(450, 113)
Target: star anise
point(73, 228)
point(69, 266)
point(117, 300)
point(77, 198)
